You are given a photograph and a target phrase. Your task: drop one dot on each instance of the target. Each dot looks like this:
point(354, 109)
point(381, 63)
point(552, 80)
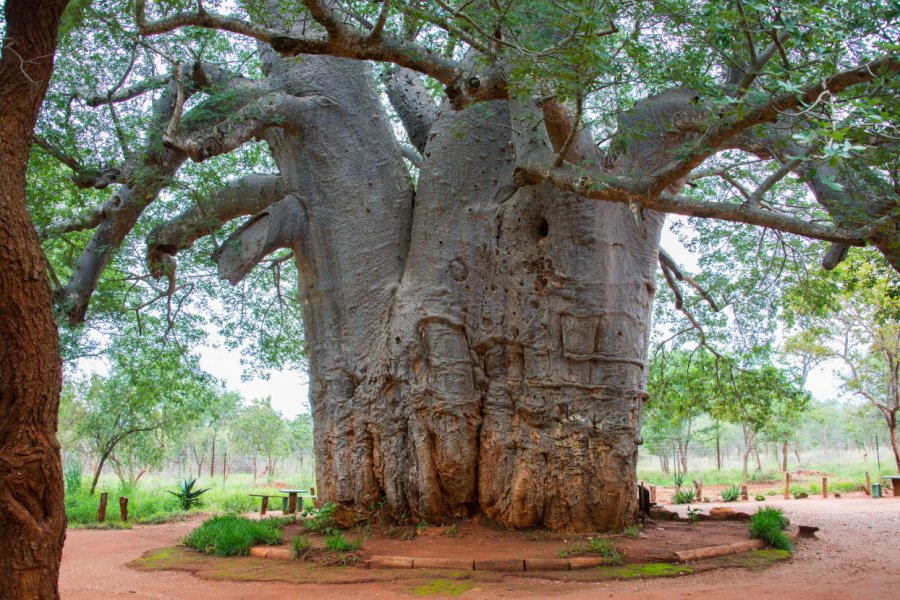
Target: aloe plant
point(187, 495)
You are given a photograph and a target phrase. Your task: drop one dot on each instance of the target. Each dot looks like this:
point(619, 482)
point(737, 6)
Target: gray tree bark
point(475, 347)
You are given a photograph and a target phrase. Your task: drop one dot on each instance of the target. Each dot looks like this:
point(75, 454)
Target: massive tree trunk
point(479, 348)
point(32, 514)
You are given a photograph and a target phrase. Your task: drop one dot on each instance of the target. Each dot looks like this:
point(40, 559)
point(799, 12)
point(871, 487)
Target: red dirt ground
point(857, 556)
point(658, 543)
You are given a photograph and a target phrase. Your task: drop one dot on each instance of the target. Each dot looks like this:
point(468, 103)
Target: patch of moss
point(760, 559)
point(445, 587)
point(165, 558)
point(648, 570)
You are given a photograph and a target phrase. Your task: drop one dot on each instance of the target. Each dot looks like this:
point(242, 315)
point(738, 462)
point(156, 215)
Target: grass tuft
point(768, 524)
point(602, 547)
point(229, 535)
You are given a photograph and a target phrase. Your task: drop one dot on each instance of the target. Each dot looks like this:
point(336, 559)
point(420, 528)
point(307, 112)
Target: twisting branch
point(244, 124)
point(464, 84)
point(672, 274)
point(756, 197)
point(717, 135)
point(83, 176)
point(534, 164)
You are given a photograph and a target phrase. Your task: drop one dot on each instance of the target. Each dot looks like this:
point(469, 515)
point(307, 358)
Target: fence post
point(824, 487)
point(787, 486)
point(123, 508)
point(868, 489)
point(101, 510)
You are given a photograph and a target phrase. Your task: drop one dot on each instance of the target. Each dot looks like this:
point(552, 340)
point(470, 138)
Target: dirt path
point(857, 556)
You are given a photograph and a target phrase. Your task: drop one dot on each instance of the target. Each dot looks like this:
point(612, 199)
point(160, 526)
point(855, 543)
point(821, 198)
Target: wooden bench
point(265, 501)
point(895, 483)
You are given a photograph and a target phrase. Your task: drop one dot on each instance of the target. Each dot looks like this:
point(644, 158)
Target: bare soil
point(857, 555)
point(475, 541)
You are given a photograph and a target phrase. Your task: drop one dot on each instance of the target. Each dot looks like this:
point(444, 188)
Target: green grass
point(336, 542)
point(149, 503)
point(230, 535)
point(768, 524)
point(444, 587)
point(683, 496)
point(602, 547)
point(301, 545)
point(650, 570)
point(633, 531)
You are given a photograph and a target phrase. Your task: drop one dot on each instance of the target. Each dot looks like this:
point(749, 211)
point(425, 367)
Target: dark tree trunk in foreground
point(32, 514)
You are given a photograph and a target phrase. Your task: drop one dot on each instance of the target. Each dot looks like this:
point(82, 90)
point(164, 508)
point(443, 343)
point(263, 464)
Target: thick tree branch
point(534, 164)
point(83, 176)
point(413, 103)
point(464, 85)
point(276, 109)
point(283, 224)
point(246, 196)
point(718, 135)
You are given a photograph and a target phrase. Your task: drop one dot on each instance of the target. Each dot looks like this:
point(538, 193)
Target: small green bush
point(683, 496)
point(321, 520)
point(187, 496)
point(72, 476)
point(732, 494)
point(602, 547)
point(336, 542)
point(768, 524)
point(633, 531)
point(759, 498)
point(230, 535)
point(301, 545)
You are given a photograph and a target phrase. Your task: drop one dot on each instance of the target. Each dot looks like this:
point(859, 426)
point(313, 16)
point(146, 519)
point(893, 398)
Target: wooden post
point(787, 486)
point(744, 495)
point(123, 508)
point(292, 503)
point(868, 489)
point(698, 491)
point(652, 494)
point(101, 510)
point(265, 505)
point(824, 487)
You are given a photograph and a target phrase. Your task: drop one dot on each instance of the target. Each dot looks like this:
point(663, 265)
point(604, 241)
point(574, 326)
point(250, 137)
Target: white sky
point(290, 390)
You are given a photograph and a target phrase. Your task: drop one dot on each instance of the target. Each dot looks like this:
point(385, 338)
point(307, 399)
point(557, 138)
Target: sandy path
point(857, 556)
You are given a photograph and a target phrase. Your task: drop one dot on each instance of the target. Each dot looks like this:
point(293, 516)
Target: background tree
point(130, 416)
point(757, 396)
point(477, 334)
point(855, 317)
point(260, 432)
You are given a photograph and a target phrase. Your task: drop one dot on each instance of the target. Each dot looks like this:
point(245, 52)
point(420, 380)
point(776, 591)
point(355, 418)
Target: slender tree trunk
point(895, 444)
point(32, 513)
point(784, 453)
point(758, 461)
point(212, 459)
point(99, 470)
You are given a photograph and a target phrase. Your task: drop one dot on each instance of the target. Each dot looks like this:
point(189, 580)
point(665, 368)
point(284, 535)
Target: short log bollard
point(868, 489)
point(787, 486)
point(123, 508)
point(698, 490)
point(744, 495)
point(101, 510)
point(652, 494)
point(824, 487)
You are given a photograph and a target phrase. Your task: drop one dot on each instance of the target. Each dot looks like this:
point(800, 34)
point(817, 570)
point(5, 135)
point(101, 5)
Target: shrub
point(336, 542)
point(683, 496)
point(187, 496)
point(602, 547)
point(301, 545)
point(230, 535)
point(693, 514)
point(759, 498)
point(321, 520)
point(768, 524)
point(731, 494)
point(678, 480)
point(633, 531)
point(72, 476)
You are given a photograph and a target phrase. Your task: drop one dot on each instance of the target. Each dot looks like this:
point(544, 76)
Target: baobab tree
point(477, 333)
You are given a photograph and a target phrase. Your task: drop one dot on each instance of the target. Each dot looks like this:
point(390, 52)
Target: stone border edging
point(509, 565)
